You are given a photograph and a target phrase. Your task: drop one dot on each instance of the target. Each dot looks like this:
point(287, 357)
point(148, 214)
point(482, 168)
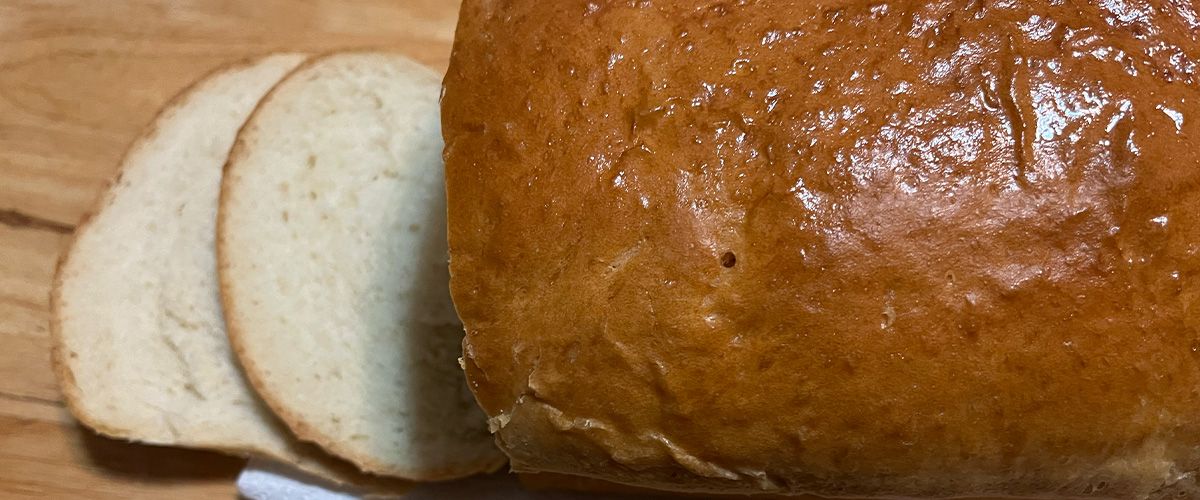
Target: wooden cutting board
point(79, 79)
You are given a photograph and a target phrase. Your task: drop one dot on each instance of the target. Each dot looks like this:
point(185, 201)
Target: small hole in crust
point(728, 259)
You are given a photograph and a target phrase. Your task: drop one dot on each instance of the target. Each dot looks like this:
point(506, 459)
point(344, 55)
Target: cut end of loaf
point(332, 260)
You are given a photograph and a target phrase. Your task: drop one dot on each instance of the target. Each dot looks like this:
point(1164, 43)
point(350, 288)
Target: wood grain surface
point(79, 79)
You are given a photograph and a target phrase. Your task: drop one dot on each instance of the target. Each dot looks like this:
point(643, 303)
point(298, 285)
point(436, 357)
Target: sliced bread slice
point(333, 267)
point(139, 340)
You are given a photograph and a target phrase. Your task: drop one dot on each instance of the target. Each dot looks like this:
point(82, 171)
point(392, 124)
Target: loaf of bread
point(890, 248)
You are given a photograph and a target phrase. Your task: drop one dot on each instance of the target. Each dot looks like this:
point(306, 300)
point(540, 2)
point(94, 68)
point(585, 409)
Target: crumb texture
point(333, 259)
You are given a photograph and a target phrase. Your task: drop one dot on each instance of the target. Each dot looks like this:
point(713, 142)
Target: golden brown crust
point(561, 482)
point(850, 248)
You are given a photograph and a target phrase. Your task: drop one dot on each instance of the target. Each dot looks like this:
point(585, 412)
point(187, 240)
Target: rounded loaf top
point(842, 247)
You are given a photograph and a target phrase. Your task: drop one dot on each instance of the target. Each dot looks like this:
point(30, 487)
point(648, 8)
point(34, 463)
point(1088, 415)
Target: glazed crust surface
point(841, 247)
